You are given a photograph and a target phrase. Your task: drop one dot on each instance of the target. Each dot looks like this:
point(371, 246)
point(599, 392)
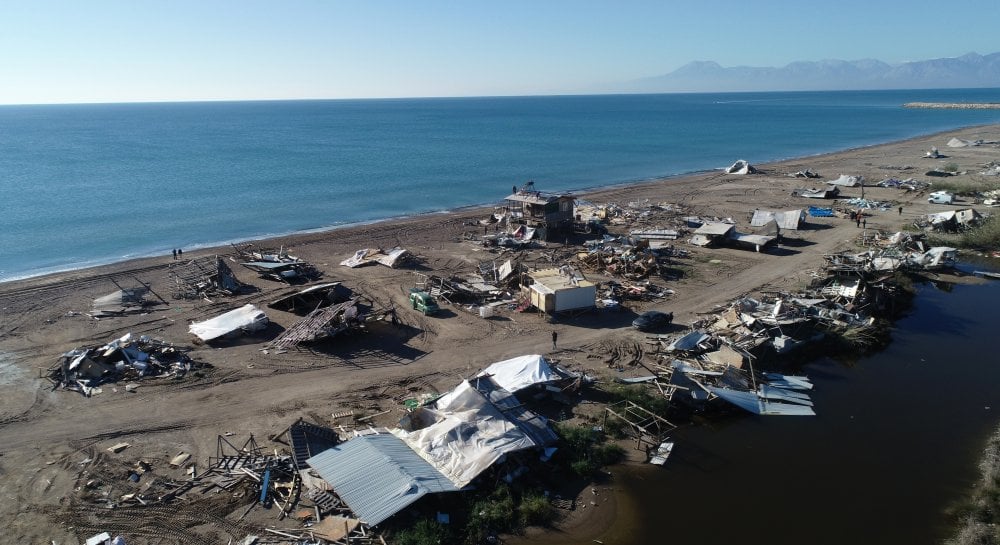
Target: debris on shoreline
point(125, 358)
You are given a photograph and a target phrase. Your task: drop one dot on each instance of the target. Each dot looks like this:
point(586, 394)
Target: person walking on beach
point(864, 223)
point(857, 219)
point(555, 336)
point(180, 253)
point(900, 210)
point(175, 254)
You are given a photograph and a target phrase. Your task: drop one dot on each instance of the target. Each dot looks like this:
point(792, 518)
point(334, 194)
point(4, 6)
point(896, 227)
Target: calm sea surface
point(88, 184)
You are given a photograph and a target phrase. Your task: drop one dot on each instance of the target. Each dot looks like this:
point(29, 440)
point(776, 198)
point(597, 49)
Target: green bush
point(536, 510)
point(493, 514)
point(424, 532)
point(608, 454)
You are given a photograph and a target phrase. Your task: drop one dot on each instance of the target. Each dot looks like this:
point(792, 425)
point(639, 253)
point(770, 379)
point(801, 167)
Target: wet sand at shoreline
point(44, 434)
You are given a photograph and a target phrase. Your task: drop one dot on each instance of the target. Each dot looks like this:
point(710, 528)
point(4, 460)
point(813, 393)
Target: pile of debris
point(709, 363)
point(615, 258)
point(276, 264)
point(908, 184)
point(950, 220)
point(610, 294)
point(124, 358)
point(900, 251)
point(867, 204)
point(242, 477)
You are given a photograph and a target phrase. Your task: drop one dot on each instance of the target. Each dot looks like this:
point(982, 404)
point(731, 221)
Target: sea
point(89, 184)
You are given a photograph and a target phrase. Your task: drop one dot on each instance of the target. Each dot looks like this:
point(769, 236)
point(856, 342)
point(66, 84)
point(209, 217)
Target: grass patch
point(964, 187)
point(986, 236)
point(978, 517)
point(584, 450)
point(424, 532)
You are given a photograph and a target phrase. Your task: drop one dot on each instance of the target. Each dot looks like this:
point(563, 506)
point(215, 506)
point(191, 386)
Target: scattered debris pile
point(951, 220)
point(124, 358)
point(908, 184)
point(276, 264)
point(867, 204)
point(805, 174)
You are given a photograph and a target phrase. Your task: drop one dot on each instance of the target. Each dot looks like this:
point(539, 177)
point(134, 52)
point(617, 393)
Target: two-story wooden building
point(550, 214)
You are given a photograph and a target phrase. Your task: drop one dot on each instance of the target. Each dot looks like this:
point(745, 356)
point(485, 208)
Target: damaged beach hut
point(712, 233)
point(204, 276)
point(439, 448)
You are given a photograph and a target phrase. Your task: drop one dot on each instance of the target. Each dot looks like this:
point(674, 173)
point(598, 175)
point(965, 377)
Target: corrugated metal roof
point(378, 475)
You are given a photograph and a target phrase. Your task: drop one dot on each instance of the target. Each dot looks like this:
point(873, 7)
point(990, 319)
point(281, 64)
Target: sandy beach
point(45, 435)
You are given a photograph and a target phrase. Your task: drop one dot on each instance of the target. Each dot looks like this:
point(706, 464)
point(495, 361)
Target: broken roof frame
point(316, 325)
point(203, 276)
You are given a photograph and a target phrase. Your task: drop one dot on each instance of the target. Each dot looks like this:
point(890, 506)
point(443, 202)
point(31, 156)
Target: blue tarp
point(818, 212)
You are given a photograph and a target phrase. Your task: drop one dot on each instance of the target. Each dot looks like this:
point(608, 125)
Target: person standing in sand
point(555, 336)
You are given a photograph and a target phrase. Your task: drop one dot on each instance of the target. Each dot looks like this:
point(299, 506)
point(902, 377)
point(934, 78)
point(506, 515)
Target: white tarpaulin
point(847, 181)
point(518, 373)
point(248, 318)
point(368, 256)
point(467, 435)
point(789, 219)
point(741, 167)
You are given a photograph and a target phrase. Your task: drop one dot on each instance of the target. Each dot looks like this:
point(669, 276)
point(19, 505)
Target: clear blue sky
point(143, 50)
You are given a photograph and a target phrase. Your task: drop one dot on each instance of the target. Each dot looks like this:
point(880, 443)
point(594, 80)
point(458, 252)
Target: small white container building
point(559, 290)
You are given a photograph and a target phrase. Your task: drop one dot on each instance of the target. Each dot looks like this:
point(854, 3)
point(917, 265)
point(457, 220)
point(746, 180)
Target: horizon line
point(443, 97)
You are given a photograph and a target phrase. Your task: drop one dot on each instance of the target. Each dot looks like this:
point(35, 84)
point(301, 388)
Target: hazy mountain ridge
point(970, 70)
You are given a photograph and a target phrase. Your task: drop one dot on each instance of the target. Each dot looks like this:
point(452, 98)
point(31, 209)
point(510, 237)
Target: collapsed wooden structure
point(204, 276)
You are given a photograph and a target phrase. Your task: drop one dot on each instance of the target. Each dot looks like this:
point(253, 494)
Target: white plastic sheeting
point(518, 373)
point(468, 435)
point(389, 258)
point(741, 167)
point(248, 318)
point(789, 219)
point(847, 181)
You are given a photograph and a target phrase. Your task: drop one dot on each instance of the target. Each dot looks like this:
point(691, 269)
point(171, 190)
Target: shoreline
point(954, 105)
point(248, 391)
point(585, 193)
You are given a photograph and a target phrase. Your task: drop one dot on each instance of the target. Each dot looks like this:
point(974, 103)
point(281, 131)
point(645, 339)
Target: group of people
point(178, 253)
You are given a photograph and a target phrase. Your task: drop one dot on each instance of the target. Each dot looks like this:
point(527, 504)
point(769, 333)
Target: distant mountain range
point(970, 70)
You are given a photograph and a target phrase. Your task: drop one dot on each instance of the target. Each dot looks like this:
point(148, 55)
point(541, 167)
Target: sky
point(72, 51)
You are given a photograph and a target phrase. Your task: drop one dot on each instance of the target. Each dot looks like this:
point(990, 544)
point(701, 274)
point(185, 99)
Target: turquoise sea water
point(89, 184)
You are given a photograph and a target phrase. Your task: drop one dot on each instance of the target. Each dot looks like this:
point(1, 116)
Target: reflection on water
point(896, 442)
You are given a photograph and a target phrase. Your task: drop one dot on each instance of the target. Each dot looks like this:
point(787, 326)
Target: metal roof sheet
point(716, 228)
point(378, 475)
